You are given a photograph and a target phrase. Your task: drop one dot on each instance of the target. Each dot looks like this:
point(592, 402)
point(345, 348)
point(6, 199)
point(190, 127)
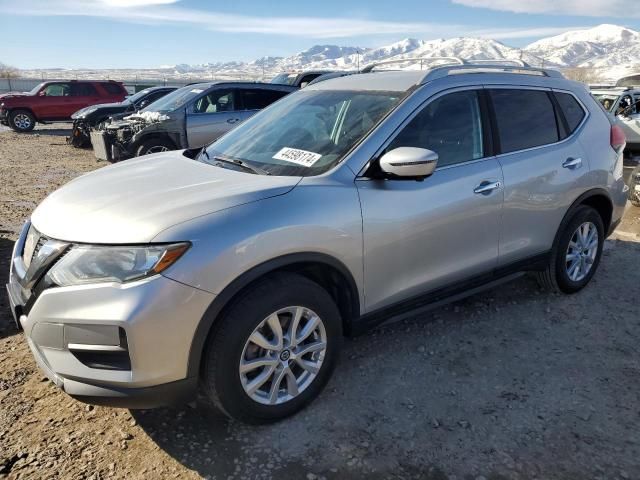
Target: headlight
point(91, 264)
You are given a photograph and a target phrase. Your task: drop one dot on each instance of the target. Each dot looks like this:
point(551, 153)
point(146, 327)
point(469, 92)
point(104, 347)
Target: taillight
point(618, 138)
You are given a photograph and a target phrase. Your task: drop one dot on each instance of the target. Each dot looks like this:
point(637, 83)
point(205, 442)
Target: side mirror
point(42, 93)
point(143, 104)
point(409, 162)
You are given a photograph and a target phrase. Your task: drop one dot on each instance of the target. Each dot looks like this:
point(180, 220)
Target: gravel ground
point(513, 383)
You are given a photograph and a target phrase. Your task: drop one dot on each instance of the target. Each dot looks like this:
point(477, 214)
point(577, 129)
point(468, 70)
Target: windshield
point(305, 133)
point(285, 79)
point(36, 89)
point(174, 100)
point(607, 100)
point(136, 97)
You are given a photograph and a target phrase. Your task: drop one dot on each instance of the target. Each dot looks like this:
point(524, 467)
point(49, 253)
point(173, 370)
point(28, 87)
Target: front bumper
point(123, 345)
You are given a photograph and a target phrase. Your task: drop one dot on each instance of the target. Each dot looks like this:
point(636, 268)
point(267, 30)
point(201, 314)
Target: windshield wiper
point(239, 163)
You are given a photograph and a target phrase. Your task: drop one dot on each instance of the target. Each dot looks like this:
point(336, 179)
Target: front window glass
point(57, 90)
point(175, 100)
point(306, 133)
point(451, 126)
point(215, 102)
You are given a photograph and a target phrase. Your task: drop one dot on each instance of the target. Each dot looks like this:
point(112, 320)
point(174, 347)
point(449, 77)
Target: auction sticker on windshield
point(295, 155)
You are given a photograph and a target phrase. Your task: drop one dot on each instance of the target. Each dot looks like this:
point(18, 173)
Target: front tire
point(154, 145)
point(273, 351)
point(22, 121)
point(576, 253)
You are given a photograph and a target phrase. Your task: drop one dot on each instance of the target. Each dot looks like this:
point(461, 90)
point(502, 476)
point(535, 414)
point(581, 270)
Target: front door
point(211, 116)
point(54, 101)
point(423, 235)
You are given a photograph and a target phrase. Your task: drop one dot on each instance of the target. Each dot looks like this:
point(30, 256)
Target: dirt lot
point(509, 384)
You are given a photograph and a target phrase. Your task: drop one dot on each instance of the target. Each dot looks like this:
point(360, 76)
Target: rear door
point(544, 166)
point(211, 115)
point(82, 95)
point(423, 235)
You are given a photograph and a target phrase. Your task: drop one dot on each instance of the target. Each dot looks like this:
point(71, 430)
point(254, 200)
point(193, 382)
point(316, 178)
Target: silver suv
point(238, 268)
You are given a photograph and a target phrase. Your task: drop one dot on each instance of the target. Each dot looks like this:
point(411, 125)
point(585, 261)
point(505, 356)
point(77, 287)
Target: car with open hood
point(238, 268)
point(90, 117)
point(189, 117)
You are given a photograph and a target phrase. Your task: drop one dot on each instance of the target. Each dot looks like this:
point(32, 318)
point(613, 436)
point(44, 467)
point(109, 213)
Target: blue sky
point(149, 33)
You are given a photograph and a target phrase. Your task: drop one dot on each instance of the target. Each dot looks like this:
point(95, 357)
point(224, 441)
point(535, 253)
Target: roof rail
point(515, 63)
point(422, 60)
point(446, 70)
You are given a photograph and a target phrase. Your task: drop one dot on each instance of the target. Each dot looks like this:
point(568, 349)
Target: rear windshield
point(305, 133)
point(285, 79)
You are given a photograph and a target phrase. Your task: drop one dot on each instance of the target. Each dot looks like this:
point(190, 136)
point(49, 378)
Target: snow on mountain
point(602, 46)
point(609, 48)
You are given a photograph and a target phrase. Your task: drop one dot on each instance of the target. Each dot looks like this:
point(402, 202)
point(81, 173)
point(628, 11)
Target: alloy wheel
point(22, 121)
point(283, 355)
point(582, 251)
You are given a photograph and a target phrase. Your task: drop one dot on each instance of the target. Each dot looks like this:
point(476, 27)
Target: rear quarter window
point(572, 110)
point(525, 119)
point(113, 88)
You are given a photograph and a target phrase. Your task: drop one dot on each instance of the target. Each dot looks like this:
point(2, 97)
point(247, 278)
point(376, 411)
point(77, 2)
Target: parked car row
point(237, 269)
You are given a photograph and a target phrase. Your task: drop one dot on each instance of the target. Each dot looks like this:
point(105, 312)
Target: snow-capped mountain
point(612, 49)
point(602, 46)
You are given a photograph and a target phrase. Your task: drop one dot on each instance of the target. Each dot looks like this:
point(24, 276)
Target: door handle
point(572, 163)
point(233, 120)
point(486, 187)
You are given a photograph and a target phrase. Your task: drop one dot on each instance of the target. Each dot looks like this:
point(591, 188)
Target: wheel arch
point(27, 109)
point(149, 136)
point(327, 271)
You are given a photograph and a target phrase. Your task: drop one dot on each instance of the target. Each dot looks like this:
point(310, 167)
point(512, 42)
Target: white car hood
point(133, 201)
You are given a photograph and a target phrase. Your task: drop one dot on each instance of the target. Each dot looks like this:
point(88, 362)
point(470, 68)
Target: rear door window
point(83, 90)
point(525, 119)
point(257, 99)
point(450, 125)
point(572, 110)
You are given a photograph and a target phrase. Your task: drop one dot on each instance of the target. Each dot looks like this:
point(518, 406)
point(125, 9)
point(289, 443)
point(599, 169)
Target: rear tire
point(154, 145)
point(576, 253)
point(22, 121)
point(228, 378)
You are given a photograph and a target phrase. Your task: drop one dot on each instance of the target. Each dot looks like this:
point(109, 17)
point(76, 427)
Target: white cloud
point(169, 12)
point(584, 8)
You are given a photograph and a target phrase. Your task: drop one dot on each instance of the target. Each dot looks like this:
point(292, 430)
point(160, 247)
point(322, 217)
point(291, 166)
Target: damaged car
point(91, 117)
point(190, 117)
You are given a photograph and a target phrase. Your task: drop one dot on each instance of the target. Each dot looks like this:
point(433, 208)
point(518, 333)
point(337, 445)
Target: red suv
point(55, 101)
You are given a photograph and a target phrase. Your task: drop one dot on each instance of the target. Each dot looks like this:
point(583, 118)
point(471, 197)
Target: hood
point(104, 107)
point(133, 201)
point(7, 95)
